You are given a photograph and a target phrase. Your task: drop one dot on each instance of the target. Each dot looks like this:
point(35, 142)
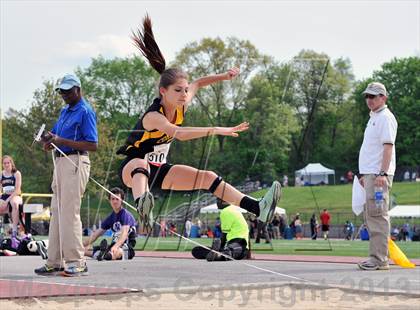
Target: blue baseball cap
point(68, 82)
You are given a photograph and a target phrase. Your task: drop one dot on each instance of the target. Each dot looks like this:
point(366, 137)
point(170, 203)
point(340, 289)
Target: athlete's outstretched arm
point(155, 120)
point(210, 79)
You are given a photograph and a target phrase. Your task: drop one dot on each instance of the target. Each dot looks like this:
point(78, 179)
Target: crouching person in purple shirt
point(122, 224)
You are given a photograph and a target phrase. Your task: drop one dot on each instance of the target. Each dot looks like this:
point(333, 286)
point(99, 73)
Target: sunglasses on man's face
point(369, 96)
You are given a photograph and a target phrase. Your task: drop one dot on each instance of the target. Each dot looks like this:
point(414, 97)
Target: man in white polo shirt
point(377, 167)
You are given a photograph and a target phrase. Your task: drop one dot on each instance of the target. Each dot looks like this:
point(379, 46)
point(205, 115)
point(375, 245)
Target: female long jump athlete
point(147, 147)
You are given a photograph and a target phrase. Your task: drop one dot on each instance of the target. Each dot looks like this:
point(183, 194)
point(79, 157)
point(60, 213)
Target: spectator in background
point(270, 230)
point(416, 234)
point(314, 227)
point(210, 233)
point(377, 163)
point(325, 223)
point(262, 232)
point(163, 228)
point(285, 181)
point(188, 225)
point(348, 230)
point(11, 181)
point(414, 176)
point(292, 227)
point(298, 227)
point(275, 226)
point(218, 228)
point(123, 226)
point(349, 176)
point(282, 225)
point(172, 229)
point(407, 176)
point(405, 232)
point(253, 226)
point(395, 233)
point(198, 223)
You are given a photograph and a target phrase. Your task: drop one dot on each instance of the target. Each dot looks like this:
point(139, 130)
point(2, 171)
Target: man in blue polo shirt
point(75, 134)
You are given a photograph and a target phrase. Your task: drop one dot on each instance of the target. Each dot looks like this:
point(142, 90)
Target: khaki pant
point(69, 184)
point(377, 220)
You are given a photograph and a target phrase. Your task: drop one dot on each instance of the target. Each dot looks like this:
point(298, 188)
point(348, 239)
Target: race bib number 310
point(158, 156)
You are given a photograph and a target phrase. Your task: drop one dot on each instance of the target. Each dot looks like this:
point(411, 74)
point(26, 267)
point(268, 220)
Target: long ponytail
point(145, 42)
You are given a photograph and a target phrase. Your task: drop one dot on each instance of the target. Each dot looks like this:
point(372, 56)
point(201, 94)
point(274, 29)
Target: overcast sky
point(46, 39)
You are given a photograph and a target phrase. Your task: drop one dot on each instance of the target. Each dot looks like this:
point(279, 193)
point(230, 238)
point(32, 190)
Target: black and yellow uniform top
point(151, 145)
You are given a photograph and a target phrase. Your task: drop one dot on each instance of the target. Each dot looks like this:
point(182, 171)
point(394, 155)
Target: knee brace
point(215, 184)
point(141, 171)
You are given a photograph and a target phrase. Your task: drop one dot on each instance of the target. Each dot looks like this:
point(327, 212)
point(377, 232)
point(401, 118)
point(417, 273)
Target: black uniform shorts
point(157, 173)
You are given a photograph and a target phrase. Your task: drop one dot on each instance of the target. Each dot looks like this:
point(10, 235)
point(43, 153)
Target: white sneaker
point(144, 206)
point(269, 202)
point(369, 265)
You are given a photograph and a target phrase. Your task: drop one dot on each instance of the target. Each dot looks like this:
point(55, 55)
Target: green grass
point(337, 199)
point(287, 247)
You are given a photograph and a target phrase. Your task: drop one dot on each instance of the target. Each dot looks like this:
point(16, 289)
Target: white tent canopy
point(315, 174)
point(405, 211)
point(213, 209)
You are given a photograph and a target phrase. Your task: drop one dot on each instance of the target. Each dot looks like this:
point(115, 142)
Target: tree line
point(306, 109)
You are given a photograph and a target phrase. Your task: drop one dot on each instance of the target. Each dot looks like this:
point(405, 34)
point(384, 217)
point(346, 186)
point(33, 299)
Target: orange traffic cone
point(398, 256)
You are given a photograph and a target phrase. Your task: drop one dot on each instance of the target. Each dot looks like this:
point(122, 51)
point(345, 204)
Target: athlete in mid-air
point(146, 148)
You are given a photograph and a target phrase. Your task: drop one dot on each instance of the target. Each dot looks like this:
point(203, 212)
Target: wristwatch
point(382, 174)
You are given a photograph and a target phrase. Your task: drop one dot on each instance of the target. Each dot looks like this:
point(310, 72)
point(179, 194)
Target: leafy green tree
point(401, 77)
point(272, 122)
point(309, 90)
point(336, 136)
point(321, 99)
point(35, 164)
point(221, 101)
point(120, 88)
point(18, 133)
